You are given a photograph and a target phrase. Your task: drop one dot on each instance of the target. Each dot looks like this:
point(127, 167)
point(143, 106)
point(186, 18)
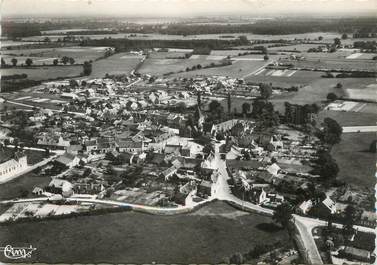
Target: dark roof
point(248, 164)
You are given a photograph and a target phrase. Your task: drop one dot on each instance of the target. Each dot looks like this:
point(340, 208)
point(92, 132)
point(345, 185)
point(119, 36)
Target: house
point(324, 208)
point(37, 191)
point(74, 149)
point(61, 186)
point(68, 160)
point(51, 141)
point(90, 145)
point(130, 146)
point(204, 189)
point(258, 195)
point(305, 207)
point(173, 149)
point(167, 173)
point(273, 169)
point(356, 254)
point(12, 165)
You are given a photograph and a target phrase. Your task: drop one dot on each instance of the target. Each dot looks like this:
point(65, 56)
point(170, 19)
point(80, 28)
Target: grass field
point(335, 64)
point(349, 118)
point(120, 63)
point(47, 55)
point(315, 92)
point(13, 188)
point(357, 166)
point(291, 78)
point(205, 236)
point(238, 69)
point(160, 66)
point(45, 72)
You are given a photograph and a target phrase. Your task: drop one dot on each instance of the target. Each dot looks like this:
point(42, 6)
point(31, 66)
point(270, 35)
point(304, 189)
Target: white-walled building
point(13, 166)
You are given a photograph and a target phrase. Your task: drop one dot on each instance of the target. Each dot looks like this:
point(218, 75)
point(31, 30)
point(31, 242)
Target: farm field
point(354, 159)
point(45, 72)
point(335, 64)
point(213, 232)
point(349, 118)
point(120, 63)
point(315, 92)
point(159, 66)
point(239, 69)
point(47, 55)
point(328, 37)
point(369, 92)
point(43, 100)
point(285, 79)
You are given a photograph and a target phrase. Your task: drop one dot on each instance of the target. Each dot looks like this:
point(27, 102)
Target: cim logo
point(17, 252)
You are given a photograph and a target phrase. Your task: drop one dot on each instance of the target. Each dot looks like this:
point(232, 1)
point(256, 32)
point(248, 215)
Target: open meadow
point(354, 159)
point(213, 233)
point(45, 72)
point(47, 55)
point(120, 63)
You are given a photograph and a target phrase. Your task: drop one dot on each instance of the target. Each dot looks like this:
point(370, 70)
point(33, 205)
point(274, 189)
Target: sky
point(179, 8)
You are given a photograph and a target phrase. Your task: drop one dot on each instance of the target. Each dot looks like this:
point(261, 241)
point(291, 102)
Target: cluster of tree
point(17, 84)
point(265, 90)
point(314, 49)
point(211, 65)
point(327, 166)
point(255, 253)
point(358, 74)
point(13, 29)
point(331, 132)
point(216, 112)
point(265, 114)
point(264, 26)
point(13, 77)
point(14, 61)
point(87, 68)
point(64, 60)
point(366, 45)
point(129, 44)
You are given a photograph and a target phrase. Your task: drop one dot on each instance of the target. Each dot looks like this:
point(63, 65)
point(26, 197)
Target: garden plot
point(354, 55)
point(346, 106)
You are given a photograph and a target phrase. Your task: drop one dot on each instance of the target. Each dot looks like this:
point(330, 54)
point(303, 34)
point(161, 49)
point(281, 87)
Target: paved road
point(355, 129)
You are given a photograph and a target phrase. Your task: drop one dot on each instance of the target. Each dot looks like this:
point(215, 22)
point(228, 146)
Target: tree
point(3, 63)
point(265, 57)
point(71, 60)
point(320, 38)
point(331, 97)
point(372, 147)
point(344, 36)
point(229, 103)
point(339, 85)
point(28, 61)
point(349, 220)
point(55, 62)
point(87, 68)
point(283, 214)
point(14, 61)
point(245, 107)
point(332, 131)
point(328, 168)
point(73, 83)
point(265, 90)
point(337, 42)
point(65, 60)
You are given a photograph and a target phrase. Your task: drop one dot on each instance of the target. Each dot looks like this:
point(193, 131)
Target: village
point(179, 142)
